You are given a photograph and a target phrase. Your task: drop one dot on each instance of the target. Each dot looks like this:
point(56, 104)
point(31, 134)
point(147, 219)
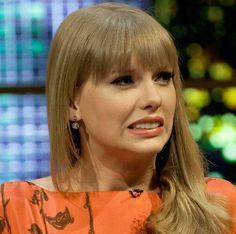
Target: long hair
point(92, 42)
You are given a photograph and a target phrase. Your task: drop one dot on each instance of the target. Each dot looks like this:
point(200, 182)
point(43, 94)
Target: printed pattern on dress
point(39, 197)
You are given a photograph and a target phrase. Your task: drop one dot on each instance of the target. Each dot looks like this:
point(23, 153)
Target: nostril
point(151, 107)
point(150, 99)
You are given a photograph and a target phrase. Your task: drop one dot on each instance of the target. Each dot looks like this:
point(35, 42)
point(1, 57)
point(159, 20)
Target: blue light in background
point(26, 29)
point(23, 137)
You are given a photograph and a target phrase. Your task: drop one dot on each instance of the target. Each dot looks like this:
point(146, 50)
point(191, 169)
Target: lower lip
point(147, 132)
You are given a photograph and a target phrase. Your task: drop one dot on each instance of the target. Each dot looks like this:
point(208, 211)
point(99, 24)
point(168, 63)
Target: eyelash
point(123, 80)
point(162, 77)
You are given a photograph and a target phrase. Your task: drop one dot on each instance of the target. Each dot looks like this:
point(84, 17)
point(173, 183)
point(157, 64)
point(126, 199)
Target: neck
point(103, 169)
point(108, 171)
point(115, 176)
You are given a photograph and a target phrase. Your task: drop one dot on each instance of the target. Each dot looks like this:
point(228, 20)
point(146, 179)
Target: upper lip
point(149, 119)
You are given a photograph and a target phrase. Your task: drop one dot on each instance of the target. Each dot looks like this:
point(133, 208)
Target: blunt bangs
point(112, 38)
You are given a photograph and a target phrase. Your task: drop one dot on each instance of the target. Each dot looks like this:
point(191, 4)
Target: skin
point(115, 157)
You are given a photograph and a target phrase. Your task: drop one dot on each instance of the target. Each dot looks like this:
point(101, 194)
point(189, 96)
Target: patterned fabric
point(28, 208)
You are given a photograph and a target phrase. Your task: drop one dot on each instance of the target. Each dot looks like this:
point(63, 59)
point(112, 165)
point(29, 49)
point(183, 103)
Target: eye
point(163, 77)
point(123, 81)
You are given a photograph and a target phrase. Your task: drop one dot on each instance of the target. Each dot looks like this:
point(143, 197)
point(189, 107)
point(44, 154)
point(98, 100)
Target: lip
point(149, 119)
point(148, 132)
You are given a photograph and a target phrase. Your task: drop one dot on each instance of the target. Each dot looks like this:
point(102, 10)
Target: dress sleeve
point(227, 189)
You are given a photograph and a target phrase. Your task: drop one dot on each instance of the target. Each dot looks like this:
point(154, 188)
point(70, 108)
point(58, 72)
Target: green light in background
point(222, 137)
point(37, 10)
point(21, 47)
point(196, 131)
point(38, 47)
point(32, 10)
point(227, 2)
point(7, 100)
point(198, 62)
point(216, 140)
point(8, 10)
point(229, 153)
point(216, 174)
point(206, 123)
point(18, 10)
point(218, 123)
point(7, 118)
point(194, 49)
point(2, 69)
point(1, 13)
point(2, 32)
point(165, 9)
point(196, 68)
point(196, 97)
point(221, 71)
point(193, 113)
point(229, 97)
point(6, 32)
point(179, 31)
point(36, 28)
point(229, 119)
point(217, 94)
point(215, 14)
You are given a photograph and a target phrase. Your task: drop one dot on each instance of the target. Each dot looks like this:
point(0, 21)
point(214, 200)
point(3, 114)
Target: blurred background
point(205, 35)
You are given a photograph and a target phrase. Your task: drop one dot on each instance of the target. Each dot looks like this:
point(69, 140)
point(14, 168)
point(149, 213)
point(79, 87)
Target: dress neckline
point(132, 192)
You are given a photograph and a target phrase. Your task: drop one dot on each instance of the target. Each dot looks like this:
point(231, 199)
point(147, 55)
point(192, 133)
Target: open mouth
point(146, 125)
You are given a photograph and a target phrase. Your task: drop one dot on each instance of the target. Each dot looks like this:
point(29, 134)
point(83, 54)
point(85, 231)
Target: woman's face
point(131, 110)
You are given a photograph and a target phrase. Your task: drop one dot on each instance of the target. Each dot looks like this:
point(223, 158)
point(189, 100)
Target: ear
point(74, 111)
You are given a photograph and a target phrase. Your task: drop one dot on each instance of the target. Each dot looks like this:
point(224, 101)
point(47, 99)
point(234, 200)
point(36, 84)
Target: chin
point(152, 149)
point(148, 149)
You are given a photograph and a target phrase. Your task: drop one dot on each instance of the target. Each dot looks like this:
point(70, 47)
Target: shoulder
point(16, 187)
point(45, 183)
point(22, 195)
point(221, 186)
point(25, 189)
point(227, 190)
point(26, 199)
point(14, 196)
point(17, 191)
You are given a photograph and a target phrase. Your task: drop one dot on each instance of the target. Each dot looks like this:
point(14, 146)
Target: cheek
point(114, 105)
point(103, 110)
point(170, 105)
point(169, 97)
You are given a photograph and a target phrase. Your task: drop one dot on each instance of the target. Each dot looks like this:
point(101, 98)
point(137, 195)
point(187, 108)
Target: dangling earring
point(74, 130)
point(75, 124)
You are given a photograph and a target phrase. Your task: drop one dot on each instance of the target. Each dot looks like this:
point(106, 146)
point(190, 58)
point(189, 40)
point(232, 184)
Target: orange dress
point(28, 208)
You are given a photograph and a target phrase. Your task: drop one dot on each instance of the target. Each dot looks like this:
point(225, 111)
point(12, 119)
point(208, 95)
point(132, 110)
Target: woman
point(122, 156)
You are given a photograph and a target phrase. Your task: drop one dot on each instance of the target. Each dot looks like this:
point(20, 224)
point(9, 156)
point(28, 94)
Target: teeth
point(146, 125)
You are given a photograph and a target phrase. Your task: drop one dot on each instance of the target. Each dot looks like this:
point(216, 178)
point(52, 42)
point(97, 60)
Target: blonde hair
point(92, 42)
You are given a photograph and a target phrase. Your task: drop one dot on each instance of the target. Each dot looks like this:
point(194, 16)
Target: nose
point(150, 98)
